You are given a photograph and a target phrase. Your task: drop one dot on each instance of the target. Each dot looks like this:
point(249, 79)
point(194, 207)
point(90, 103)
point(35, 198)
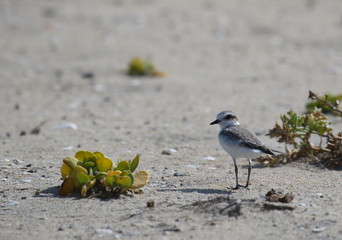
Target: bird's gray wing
point(247, 139)
point(262, 148)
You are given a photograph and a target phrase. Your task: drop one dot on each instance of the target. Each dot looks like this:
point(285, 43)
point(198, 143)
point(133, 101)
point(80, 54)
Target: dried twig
point(334, 108)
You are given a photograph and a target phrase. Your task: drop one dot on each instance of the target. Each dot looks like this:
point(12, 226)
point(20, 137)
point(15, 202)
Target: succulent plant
point(95, 171)
point(140, 67)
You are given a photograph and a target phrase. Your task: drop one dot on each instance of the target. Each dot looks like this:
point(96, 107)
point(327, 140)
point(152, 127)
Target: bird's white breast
point(236, 151)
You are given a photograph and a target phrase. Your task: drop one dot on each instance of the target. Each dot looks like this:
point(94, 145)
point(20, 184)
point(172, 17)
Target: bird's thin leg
point(249, 172)
point(236, 174)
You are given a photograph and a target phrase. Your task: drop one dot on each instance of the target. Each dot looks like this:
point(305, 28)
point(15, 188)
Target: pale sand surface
point(257, 58)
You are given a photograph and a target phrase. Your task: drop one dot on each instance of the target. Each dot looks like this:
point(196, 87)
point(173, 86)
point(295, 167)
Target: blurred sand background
point(257, 58)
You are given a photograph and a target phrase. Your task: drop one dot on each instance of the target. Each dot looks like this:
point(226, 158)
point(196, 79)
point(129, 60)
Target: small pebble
point(178, 174)
point(88, 75)
point(67, 148)
point(166, 152)
point(208, 158)
point(318, 229)
point(192, 166)
point(104, 231)
point(319, 195)
point(12, 203)
point(26, 180)
point(150, 204)
point(67, 125)
point(35, 131)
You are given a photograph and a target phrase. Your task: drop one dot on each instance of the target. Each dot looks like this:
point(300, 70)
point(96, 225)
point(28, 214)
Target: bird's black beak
point(214, 122)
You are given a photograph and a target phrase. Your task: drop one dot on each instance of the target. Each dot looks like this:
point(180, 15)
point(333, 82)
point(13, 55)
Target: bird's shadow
point(197, 190)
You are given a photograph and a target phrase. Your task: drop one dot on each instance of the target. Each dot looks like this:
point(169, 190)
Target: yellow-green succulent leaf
point(134, 163)
point(89, 164)
point(99, 155)
point(115, 173)
point(110, 181)
point(80, 164)
point(81, 179)
point(65, 170)
point(71, 162)
point(123, 181)
point(91, 177)
point(85, 156)
point(122, 165)
point(78, 169)
point(84, 190)
point(129, 174)
point(89, 156)
point(80, 156)
point(86, 187)
point(91, 183)
point(104, 164)
point(77, 178)
point(67, 187)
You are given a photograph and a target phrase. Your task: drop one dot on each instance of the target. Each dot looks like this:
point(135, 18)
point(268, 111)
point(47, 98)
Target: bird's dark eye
point(228, 117)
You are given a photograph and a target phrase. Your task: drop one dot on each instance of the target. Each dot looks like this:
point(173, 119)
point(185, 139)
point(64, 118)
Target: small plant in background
point(94, 171)
point(298, 130)
point(139, 67)
point(329, 103)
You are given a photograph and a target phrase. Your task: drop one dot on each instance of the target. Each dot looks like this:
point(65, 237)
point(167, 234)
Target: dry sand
point(257, 58)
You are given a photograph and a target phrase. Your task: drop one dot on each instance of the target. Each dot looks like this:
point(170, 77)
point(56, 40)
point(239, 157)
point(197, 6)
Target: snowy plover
point(238, 142)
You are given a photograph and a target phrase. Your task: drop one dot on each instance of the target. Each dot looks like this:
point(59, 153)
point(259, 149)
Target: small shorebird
point(238, 142)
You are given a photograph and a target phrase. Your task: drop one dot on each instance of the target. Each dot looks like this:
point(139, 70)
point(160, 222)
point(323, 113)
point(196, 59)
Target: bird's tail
point(276, 151)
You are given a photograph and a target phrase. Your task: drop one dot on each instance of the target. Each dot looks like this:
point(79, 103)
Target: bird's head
point(225, 119)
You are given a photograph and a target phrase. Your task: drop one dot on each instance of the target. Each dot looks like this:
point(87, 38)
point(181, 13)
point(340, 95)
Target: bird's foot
point(239, 186)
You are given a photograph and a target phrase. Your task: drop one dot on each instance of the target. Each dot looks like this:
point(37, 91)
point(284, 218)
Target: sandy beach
point(62, 71)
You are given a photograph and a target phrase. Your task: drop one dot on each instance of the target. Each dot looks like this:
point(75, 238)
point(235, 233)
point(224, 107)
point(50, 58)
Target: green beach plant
point(297, 131)
point(139, 67)
point(94, 171)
